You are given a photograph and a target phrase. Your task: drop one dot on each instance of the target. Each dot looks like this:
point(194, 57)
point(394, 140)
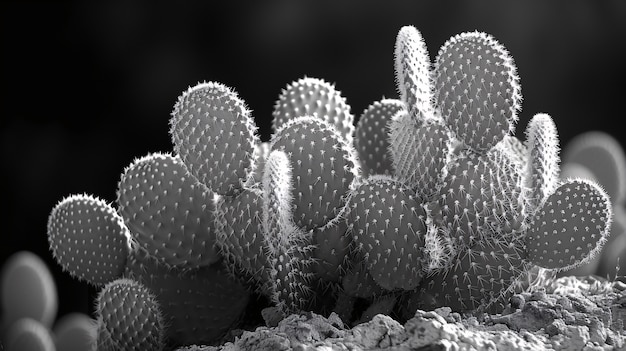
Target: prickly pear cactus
point(429, 201)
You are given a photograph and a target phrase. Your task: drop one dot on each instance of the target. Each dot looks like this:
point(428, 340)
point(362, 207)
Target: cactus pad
point(413, 75)
point(324, 167)
point(477, 88)
point(129, 317)
point(215, 136)
point(570, 227)
point(168, 213)
point(88, 238)
point(388, 225)
point(371, 141)
point(314, 97)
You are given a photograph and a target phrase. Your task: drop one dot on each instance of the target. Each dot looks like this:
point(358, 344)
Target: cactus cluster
point(428, 200)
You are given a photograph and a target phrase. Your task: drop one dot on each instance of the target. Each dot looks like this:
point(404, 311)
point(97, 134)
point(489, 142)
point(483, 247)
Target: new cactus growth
point(542, 145)
point(431, 201)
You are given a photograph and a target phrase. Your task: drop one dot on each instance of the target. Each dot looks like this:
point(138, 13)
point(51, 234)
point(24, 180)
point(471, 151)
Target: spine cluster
point(428, 200)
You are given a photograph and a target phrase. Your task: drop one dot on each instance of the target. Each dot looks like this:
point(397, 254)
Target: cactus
point(75, 332)
point(477, 88)
point(604, 156)
point(240, 237)
point(480, 197)
point(314, 97)
point(571, 226)
point(480, 278)
point(29, 334)
point(28, 290)
point(324, 168)
point(542, 145)
point(129, 317)
point(169, 215)
point(371, 141)
point(197, 306)
point(215, 136)
point(449, 207)
point(89, 239)
point(389, 227)
point(288, 247)
point(419, 152)
point(413, 75)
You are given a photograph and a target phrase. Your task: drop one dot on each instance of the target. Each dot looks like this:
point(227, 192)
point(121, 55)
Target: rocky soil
point(569, 314)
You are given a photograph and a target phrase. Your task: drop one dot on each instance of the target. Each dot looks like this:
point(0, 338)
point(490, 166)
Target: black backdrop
point(87, 88)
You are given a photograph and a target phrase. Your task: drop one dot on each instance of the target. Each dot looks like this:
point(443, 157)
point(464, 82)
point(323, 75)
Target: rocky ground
point(569, 314)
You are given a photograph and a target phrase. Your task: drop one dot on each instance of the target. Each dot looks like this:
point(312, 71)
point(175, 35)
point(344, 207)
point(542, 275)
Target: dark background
point(87, 88)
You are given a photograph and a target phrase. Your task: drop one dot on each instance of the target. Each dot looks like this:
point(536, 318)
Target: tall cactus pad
point(198, 306)
point(324, 167)
point(481, 197)
point(478, 278)
point(27, 290)
point(477, 87)
point(129, 317)
point(288, 246)
point(571, 226)
point(240, 235)
point(88, 239)
point(419, 152)
point(388, 225)
point(542, 167)
point(371, 141)
point(314, 97)
point(168, 213)
point(215, 136)
point(413, 75)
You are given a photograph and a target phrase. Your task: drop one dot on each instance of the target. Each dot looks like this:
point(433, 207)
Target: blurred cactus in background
point(428, 200)
point(29, 310)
